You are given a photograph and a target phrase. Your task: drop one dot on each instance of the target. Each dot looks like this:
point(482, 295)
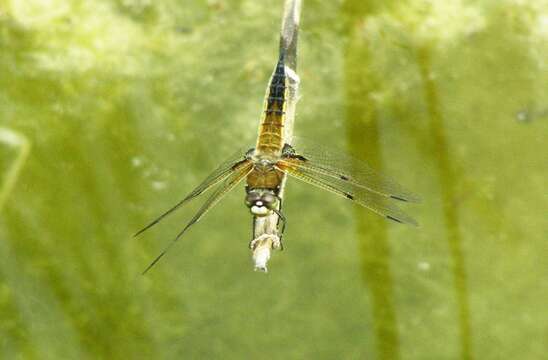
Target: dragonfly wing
point(339, 165)
point(233, 179)
point(223, 171)
point(373, 201)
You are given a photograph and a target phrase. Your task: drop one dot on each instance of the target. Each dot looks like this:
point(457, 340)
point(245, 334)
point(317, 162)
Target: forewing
point(233, 179)
point(337, 164)
point(224, 170)
point(378, 203)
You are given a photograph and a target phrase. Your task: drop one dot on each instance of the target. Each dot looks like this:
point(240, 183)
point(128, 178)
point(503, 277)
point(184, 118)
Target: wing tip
point(148, 226)
point(138, 233)
point(142, 230)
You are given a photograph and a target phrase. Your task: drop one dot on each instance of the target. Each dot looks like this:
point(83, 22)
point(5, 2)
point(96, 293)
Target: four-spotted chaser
point(265, 166)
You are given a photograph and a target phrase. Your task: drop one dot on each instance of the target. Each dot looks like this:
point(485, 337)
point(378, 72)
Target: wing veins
point(221, 173)
point(339, 165)
point(221, 191)
point(367, 199)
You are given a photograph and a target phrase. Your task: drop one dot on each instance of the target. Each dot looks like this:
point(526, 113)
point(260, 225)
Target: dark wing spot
point(294, 156)
point(394, 219)
point(349, 196)
point(344, 177)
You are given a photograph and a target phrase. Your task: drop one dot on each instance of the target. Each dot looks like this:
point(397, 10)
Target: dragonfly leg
point(280, 209)
point(281, 218)
point(252, 242)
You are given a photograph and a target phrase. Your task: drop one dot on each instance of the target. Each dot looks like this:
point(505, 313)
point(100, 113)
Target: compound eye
point(252, 198)
point(269, 199)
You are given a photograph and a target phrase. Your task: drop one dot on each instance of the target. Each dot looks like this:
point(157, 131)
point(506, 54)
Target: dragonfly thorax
point(265, 174)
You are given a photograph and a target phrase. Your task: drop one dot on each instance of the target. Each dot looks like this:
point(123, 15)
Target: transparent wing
point(378, 203)
point(240, 173)
point(222, 172)
point(337, 164)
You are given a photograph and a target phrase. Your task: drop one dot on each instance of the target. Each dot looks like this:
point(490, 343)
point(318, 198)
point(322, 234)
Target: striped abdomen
point(271, 130)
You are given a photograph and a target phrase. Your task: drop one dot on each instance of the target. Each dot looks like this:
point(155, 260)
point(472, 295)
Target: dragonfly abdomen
point(271, 130)
point(276, 90)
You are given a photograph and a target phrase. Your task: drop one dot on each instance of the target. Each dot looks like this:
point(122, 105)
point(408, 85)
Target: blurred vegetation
point(112, 110)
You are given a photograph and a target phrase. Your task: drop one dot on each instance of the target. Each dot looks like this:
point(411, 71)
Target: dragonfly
point(264, 167)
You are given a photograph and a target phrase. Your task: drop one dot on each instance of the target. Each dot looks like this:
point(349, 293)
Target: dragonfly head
point(261, 201)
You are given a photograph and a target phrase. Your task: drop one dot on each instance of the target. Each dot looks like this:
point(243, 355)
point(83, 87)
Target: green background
point(110, 111)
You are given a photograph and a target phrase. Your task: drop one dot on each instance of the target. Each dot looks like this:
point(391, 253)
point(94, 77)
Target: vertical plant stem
point(450, 209)
point(361, 81)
